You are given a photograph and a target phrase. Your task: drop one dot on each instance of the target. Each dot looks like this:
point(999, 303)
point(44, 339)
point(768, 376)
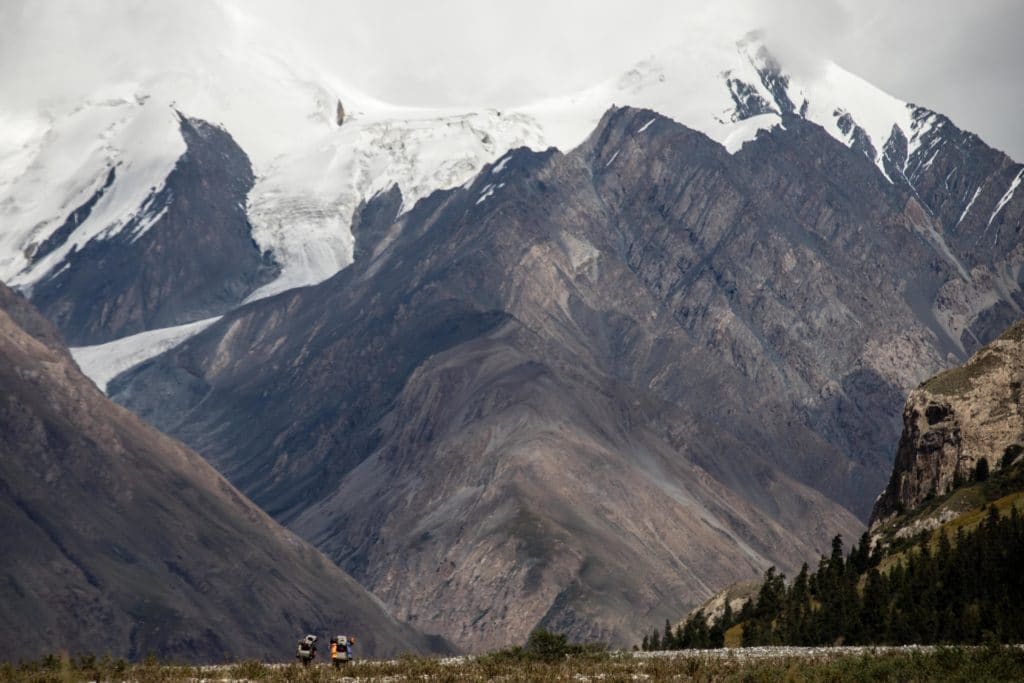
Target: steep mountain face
point(956, 419)
point(576, 382)
point(791, 261)
point(582, 376)
point(313, 173)
point(187, 254)
point(118, 539)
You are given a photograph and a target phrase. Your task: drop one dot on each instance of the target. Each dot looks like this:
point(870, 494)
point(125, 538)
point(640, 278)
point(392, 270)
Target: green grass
point(967, 521)
point(945, 664)
point(959, 380)
point(972, 519)
point(966, 500)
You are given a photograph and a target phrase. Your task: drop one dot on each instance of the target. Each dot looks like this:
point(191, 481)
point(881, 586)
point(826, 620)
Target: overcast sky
point(961, 58)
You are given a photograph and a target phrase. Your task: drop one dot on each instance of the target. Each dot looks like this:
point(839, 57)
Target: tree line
point(967, 589)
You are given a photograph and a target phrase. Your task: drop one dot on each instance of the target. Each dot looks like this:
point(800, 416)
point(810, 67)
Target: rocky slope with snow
point(187, 254)
point(313, 170)
point(519, 431)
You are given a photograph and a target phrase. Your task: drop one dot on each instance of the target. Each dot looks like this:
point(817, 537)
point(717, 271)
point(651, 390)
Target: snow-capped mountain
point(96, 173)
point(313, 172)
point(319, 149)
point(718, 292)
point(590, 384)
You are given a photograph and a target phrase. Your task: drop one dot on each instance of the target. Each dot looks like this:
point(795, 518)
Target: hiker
point(341, 650)
point(307, 650)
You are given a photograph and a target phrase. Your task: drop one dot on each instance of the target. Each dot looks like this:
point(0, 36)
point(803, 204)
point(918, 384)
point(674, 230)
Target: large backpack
point(342, 650)
point(306, 647)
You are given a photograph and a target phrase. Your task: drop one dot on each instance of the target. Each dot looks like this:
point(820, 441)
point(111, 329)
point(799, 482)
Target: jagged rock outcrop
point(956, 419)
point(188, 253)
point(118, 539)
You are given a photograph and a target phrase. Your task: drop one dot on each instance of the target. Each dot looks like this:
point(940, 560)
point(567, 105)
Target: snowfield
point(117, 147)
point(104, 362)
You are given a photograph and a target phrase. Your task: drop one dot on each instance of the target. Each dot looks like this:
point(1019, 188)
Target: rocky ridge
point(188, 254)
point(957, 418)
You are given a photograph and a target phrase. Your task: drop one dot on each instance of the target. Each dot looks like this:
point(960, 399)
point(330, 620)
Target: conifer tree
point(966, 590)
point(981, 470)
point(727, 619)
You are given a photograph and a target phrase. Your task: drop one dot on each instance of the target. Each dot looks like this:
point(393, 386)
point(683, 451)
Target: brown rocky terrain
point(954, 420)
point(118, 539)
point(586, 389)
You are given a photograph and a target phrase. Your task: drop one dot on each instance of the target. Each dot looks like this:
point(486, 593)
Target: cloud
point(960, 58)
point(62, 50)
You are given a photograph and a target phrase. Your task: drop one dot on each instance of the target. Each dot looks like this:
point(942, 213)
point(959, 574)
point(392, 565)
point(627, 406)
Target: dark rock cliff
point(196, 258)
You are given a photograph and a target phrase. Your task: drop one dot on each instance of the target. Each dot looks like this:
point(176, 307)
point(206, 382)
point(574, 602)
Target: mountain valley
point(572, 365)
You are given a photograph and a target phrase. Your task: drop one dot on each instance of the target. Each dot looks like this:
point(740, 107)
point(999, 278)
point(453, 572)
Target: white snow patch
point(104, 362)
point(969, 205)
point(489, 191)
point(920, 129)
point(747, 130)
point(686, 83)
point(500, 166)
point(875, 111)
point(147, 221)
point(1007, 196)
point(613, 158)
point(926, 164)
point(646, 126)
point(302, 205)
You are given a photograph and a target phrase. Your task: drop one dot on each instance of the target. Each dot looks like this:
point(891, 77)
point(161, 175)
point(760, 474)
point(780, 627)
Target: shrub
point(1010, 454)
point(544, 646)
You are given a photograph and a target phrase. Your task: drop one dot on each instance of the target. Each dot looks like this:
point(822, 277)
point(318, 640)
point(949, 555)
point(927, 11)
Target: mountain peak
point(311, 174)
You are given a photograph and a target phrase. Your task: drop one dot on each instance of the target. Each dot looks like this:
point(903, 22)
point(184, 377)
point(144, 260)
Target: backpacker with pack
point(306, 650)
point(341, 650)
